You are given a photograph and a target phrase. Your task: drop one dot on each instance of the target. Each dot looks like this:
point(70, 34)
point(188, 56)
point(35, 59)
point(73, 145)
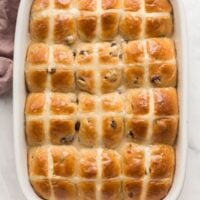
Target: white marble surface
point(9, 188)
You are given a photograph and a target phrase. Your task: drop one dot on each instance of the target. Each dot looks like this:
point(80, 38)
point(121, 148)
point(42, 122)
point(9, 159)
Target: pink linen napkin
point(8, 13)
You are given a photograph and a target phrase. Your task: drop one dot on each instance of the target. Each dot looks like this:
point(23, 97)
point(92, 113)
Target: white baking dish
point(19, 96)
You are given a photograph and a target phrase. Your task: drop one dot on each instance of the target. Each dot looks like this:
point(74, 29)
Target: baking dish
point(19, 96)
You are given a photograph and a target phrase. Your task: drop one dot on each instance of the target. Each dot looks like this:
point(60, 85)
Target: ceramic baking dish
point(19, 96)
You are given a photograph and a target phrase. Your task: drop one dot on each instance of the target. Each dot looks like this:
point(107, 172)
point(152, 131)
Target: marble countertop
point(9, 188)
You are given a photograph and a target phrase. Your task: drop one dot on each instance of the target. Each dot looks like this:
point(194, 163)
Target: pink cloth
point(8, 13)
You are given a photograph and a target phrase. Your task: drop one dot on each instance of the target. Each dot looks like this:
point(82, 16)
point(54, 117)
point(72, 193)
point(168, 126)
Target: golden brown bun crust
point(108, 53)
point(66, 172)
point(165, 101)
point(85, 80)
point(140, 105)
point(113, 128)
point(130, 26)
point(86, 25)
point(36, 80)
point(64, 161)
point(137, 102)
point(63, 55)
point(87, 164)
point(160, 49)
point(87, 131)
point(110, 190)
point(157, 189)
point(136, 129)
point(112, 102)
point(101, 68)
point(110, 164)
point(163, 75)
point(62, 4)
point(132, 5)
point(40, 74)
point(42, 188)
point(165, 130)
point(35, 133)
point(39, 5)
point(59, 127)
point(39, 28)
point(158, 6)
point(84, 55)
point(61, 131)
point(110, 4)
point(63, 189)
point(64, 29)
point(162, 162)
point(35, 104)
point(62, 80)
point(133, 161)
point(87, 103)
point(132, 188)
point(110, 79)
point(158, 26)
point(38, 162)
point(134, 76)
point(133, 52)
point(88, 5)
point(38, 53)
point(109, 25)
point(86, 190)
point(63, 103)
